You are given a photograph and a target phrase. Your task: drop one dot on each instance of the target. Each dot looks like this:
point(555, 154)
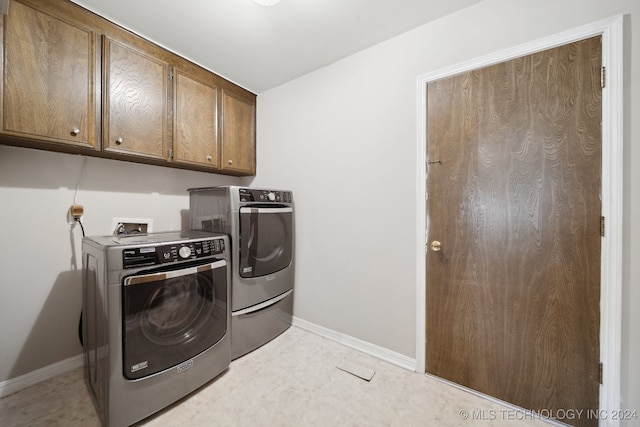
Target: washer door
point(171, 316)
point(266, 240)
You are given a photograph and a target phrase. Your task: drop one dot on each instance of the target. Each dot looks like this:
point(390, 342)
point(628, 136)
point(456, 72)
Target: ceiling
point(262, 47)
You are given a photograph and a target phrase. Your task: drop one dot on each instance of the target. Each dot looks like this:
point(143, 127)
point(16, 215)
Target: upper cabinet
point(196, 121)
point(49, 76)
point(134, 102)
point(73, 81)
point(238, 134)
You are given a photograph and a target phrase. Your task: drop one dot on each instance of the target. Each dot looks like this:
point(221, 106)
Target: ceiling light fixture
point(267, 2)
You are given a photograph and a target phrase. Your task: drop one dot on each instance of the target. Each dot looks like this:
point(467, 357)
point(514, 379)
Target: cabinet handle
point(75, 131)
point(230, 162)
point(209, 157)
point(119, 141)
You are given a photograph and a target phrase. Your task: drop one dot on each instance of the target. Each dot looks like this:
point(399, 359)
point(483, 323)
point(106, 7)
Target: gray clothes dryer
point(156, 319)
point(260, 224)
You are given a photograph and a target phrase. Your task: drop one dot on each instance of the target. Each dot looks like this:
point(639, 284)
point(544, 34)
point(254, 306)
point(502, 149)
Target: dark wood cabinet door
point(49, 76)
point(195, 134)
point(238, 134)
point(135, 116)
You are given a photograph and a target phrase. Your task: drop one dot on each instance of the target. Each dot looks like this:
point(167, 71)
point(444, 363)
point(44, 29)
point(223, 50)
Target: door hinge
point(602, 226)
point(600, 369)
point(602, 77)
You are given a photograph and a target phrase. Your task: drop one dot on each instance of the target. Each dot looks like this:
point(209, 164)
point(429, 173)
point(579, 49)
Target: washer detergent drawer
point(257, 325)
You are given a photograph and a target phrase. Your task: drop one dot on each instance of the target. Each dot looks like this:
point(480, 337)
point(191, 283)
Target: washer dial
point(184, 252)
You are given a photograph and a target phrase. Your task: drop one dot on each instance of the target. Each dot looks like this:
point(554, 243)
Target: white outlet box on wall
point(121, 225)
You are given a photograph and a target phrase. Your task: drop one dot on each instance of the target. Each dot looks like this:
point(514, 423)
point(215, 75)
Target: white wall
point(344, 139)
point(41, 254)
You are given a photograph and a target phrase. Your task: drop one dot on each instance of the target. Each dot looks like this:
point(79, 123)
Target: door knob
point(436, 246)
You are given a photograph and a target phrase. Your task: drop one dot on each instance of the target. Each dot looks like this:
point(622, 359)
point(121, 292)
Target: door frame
point(611, 31)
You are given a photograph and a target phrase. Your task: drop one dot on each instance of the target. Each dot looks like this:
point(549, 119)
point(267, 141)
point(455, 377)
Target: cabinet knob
point(230, 162)
point(119, 141)
point(209, 157)
point(75, 131)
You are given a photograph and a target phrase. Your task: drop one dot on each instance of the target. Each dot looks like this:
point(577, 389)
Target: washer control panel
point(265, 196)
point(173, 252)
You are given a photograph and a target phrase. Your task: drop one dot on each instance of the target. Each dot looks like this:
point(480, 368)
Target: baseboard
point(19, 383)
point(357, 344)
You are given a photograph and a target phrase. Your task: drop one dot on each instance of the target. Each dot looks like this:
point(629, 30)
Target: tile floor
point(291, 381)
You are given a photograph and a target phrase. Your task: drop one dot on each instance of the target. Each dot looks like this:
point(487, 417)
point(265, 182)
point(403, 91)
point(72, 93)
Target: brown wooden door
point(135, 101)
point(514, 199)
point(196, 118)
point(238, 134)
point(49, 77)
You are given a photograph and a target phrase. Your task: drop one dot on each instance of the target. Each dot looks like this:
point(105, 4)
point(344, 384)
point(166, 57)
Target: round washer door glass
point(177, 311)
point(171, 316)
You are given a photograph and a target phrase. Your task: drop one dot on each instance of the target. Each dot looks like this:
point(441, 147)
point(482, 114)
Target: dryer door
point(170, 316)
point(266, 240)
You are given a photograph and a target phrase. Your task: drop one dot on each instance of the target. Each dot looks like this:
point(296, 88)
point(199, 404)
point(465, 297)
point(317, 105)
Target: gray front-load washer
point(156, 319)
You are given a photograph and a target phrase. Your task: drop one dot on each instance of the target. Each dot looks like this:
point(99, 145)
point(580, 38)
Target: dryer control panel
point(170, 253)
point(265, 196)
